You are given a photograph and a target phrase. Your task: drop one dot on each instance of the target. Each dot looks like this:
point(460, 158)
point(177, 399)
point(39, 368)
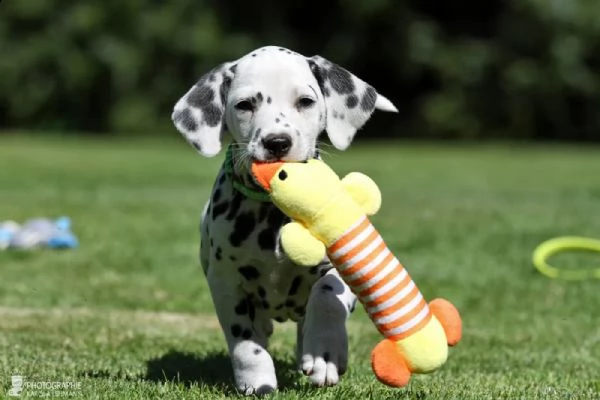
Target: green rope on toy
point(258, 195)
point(560, 244)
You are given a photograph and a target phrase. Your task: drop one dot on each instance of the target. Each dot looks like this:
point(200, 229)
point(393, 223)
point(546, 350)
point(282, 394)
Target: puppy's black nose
point(278, 144)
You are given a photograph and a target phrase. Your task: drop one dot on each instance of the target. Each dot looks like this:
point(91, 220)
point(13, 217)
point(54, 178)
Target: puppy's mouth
point(242, 162)
point(272, 159)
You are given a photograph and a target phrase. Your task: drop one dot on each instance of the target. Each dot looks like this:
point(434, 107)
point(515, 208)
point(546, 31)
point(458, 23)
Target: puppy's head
point(275, 103)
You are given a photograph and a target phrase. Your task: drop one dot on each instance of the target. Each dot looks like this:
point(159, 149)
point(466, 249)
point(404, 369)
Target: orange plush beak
point(264, 173)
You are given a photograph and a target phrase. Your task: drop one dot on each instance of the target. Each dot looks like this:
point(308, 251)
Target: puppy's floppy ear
point(199, 114)
point(349, 100)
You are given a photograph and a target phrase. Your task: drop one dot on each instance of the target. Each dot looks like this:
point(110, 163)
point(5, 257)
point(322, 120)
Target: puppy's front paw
point(324, 352)
point(253, 369)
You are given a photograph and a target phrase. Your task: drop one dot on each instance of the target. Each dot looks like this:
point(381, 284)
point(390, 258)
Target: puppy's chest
point(244, 243)
point(280, 290)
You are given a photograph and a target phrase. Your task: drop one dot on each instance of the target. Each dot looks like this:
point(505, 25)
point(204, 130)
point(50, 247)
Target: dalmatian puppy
point(274, 103)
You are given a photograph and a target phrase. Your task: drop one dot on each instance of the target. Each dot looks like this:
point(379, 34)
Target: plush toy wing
point(301, 246)
point(364, 191)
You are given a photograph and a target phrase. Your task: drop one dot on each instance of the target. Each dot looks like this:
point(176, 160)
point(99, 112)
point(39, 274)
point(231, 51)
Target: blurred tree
point(467, 69)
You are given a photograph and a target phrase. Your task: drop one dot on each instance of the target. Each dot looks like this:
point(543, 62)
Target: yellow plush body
point(324, 209)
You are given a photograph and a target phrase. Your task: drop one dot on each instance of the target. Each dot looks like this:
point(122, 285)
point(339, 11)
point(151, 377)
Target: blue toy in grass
point(7, 232)
point(38, 232)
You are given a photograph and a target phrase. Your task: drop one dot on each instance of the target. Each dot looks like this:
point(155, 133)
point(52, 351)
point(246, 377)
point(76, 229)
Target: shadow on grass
point(213, 369)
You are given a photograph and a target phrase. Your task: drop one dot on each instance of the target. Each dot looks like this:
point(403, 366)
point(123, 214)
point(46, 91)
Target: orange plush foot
point(389, 365)
point(449, 317)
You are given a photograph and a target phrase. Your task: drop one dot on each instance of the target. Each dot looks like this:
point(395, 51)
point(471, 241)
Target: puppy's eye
point(244, 105)
point(305, 102)
point(282, 175)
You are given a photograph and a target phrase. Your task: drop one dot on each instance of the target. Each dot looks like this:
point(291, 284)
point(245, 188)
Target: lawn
point(128, 314)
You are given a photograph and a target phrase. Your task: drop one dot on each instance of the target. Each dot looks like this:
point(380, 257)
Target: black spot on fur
point(287, 125)
point(219, 209)
point(224, 88)
point(267, 238)
point(249, 272)
point(212, 243)
point(276, 218)
point(212, 115)
point(236, 330)
point(340, 79)
point(235, 205)
point(295, 286)
point(288, 52)
point(259, 96)
point(216, 195)
point(185, 117)
point(257, 350)
point(232, 258)
point(197, 146)
point(352, 307)
point(201, 96)
point(246, 334)
point(243, 227)
point(269, 100)
point(326, 288)
point(318, 74)
point(218, 254)
point(277, 120)
point(281, 49)
point(242, 307)
point(351, 101)
point(282, 114)
point(368, 101)
point(212, 77)
point(262, 292)
point(265, 305)
point(233, 68)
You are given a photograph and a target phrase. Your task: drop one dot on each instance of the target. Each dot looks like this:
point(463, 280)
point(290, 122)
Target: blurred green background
point(525, 69)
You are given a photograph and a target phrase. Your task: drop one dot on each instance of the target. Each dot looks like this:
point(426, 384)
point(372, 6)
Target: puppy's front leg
point(322, 334)
point(246, 332)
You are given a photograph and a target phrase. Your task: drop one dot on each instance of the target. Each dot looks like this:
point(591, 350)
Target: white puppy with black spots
point(275, 103)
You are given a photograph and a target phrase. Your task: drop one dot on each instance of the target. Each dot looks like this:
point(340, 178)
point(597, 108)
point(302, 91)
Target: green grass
point(128, 314)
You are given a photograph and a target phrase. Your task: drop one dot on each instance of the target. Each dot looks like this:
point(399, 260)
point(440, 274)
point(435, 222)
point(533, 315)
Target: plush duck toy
point(330, 217)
